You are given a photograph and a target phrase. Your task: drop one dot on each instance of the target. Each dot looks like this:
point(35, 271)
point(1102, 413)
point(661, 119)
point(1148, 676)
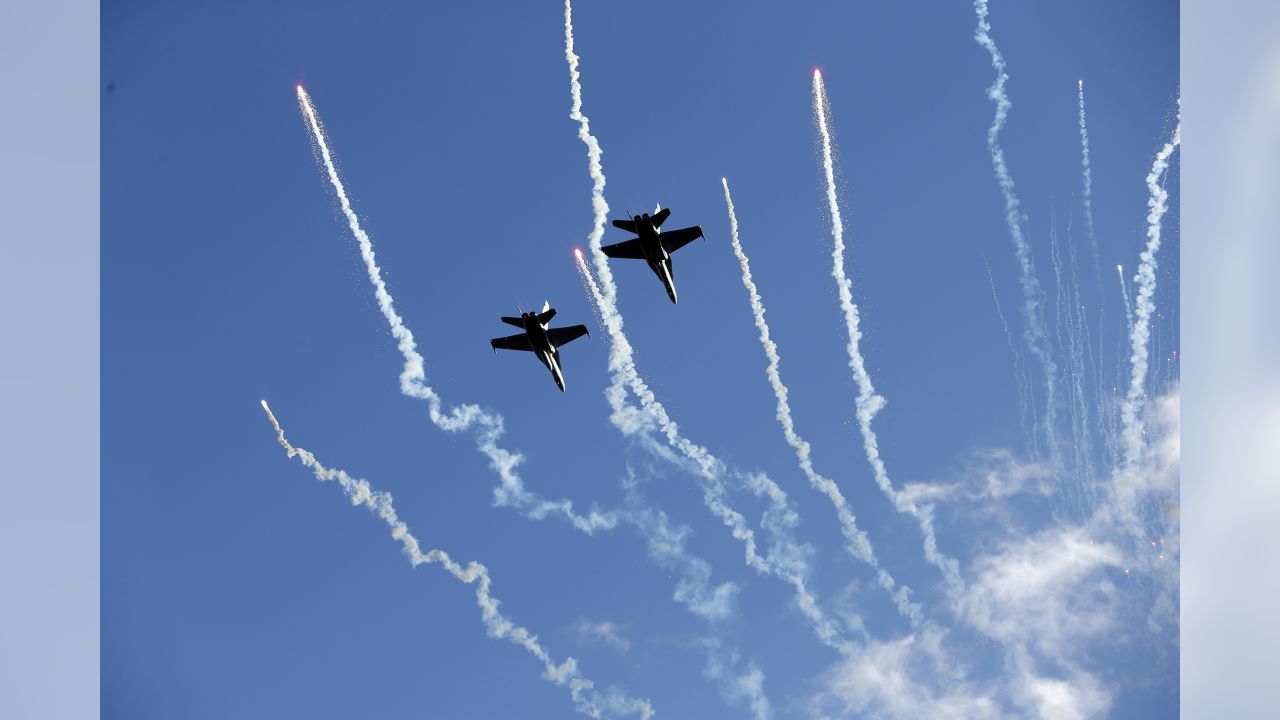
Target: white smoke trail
point(595, 168)
point(708, 469)
point(1087, 180)
point(1075, 476)
point(856, 540)
point(488, 426)
point(1064, 476)
point(1034, 333)
point(1081, 354)
point(611, 703)
point(787, 559)
point(710, 602)
point(868, 403)
point(1019, 372)
point(1128, 305)
point(1145, 279)
point(1086, 173)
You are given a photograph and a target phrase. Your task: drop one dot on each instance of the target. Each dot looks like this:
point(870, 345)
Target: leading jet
point(539, 339)
point(653, 245)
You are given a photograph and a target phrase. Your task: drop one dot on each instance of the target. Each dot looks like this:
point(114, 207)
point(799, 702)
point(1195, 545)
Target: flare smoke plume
point(586, 699)
point(868, 403)
point(413, 383)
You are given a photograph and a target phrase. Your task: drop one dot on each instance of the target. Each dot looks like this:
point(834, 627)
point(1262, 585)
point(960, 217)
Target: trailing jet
point(539, 339)
point(653, 245)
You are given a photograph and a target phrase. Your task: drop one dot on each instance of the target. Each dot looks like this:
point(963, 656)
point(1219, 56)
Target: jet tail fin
point(547, 313)
point(514, 321)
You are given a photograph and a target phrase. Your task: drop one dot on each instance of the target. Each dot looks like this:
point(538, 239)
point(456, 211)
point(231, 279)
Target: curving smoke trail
point(856, 540)
point(587, 700)
point(489, 429)
point(788, 558)
point(1034, 333)
point(868, 403)
point(1134, 430)
point(487, 426)
point(711, 602)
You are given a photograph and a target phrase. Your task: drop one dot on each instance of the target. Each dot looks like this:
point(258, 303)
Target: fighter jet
point(539, 339)
point(653, 245)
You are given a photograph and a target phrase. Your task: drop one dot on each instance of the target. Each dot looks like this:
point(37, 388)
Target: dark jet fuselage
point(653, 245)
point(540, 339)
point(542, 346)
point(657, 256)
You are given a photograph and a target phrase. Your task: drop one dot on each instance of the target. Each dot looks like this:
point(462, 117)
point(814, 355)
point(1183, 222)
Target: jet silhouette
point(539, 339)
point(653, 245)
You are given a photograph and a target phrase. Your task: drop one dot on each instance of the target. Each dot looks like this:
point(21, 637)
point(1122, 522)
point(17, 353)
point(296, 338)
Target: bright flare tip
point(577, 252)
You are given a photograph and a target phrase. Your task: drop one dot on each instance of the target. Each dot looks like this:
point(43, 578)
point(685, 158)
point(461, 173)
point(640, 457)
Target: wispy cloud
point(891, 679)
point(603, 631)
point(737, 680)
point(1046, 591)
point(990, 474)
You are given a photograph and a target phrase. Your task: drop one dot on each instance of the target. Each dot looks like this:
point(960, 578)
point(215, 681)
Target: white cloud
point(1045, 590)
point(891, 680)
point(991, 474)
point(606, 632)
point(1164, 456)
point(1083, 697)
point(1047, 598)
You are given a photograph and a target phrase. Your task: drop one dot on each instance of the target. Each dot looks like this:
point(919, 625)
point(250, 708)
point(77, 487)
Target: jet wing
point(630, 249)
point(661, 217)
point(512, 342)
point(676, 239)
point(564, 335)
point(628, 225)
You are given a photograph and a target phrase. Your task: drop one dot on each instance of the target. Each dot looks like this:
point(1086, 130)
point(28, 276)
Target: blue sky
point(234, 584)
